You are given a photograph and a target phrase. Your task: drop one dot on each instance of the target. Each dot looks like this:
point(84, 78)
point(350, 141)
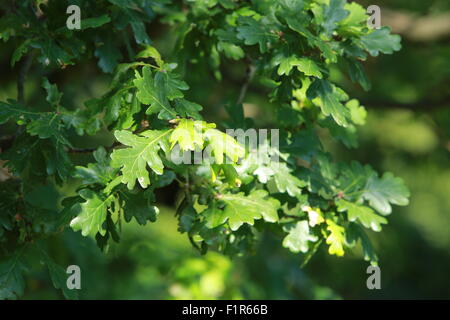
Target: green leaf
point(90, 214)
point(366, 216)
point(140, 34)
point(151, 52)
point(299, 23)
point(214, 217)
point(58, 161)
point(355, 233)
point(381, 40)
point(99, 172)
point(357, 15)
point(14, 110)
point(187, 219)
point(144, 150)
point(285, 180)
point(240, 209)
point(95, 22)
point(222, 145)
point(112, 105)
point(231, 50)
point(51, 52)
point(336, 238)
point(228, 4)
point(329, 101)
point(303, 144)
point(58, 276)
point(20, 51)
point(187, 109)
point(48, 125)
point(347, 135)
point(231, 175)
point(298, 237)
point(256, 32)
point(355, 24)
point(53, 95)
point(170, 84)
point(139, 205)
point(12, 283)
point(165, 179)
point(286, 65)
point(305, 65)
point(358, 75)
point(109, 55)
point(189, 134)
point(327, 49)
point(382, 192)
point(292, 6)
point(152, 92)
point(358, 113)
point(194, 134)
point(332, 14)
point(353, 179)
point(308, 67)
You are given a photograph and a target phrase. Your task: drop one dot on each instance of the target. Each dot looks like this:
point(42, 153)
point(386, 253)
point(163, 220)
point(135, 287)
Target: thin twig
point(130, 51)
point(89, 150)
point(312, 252)
point(250, 74)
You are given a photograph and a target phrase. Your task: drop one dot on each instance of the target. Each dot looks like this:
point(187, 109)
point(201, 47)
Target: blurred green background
point(408, 133)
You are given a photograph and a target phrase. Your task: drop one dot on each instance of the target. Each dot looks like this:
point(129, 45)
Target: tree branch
point(89, 150)
point(250, 74)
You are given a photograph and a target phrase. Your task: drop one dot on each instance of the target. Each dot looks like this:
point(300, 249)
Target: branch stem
point(22, 77)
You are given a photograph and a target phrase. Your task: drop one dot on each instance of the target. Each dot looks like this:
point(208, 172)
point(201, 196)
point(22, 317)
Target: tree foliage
point(289, 46)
